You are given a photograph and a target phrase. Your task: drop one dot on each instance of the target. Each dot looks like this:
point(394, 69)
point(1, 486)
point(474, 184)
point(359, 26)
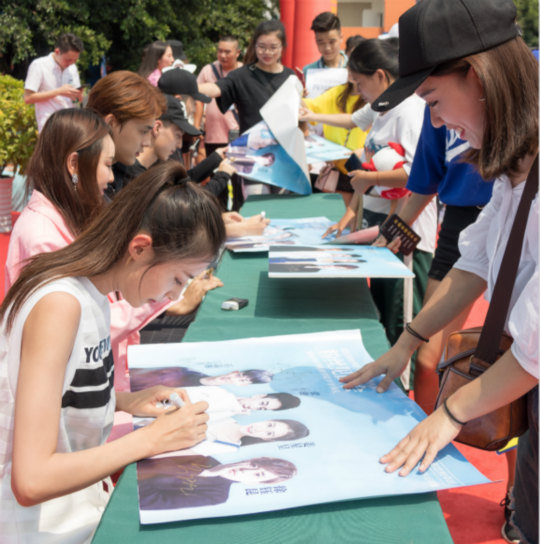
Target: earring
point(75, 179)
point(481, 99)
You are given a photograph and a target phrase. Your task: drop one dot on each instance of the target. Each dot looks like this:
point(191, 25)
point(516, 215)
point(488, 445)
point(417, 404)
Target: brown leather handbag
point(491, 431)
point(470, 352)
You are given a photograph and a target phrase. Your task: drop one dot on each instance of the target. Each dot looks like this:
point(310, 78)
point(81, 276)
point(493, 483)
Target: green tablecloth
point(278, 306)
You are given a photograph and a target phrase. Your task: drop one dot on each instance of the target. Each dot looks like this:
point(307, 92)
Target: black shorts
point(456, 218)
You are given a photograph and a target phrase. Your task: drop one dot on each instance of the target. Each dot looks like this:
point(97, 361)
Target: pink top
point(153, 78)
point(39, 229)
point(217, 124)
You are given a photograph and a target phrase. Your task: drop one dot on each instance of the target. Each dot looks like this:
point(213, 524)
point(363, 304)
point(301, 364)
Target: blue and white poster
point(258, 156)
point(282, 432)
point(275, 151)
point(320, 149)
point(284, 232)
point(335, 261)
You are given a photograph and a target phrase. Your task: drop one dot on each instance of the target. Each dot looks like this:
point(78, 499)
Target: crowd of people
point(131, 198)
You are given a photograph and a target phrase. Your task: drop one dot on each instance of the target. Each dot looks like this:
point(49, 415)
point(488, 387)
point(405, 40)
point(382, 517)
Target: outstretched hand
point(305, 114)
point(393, 245)
point(422, 444)
point(392, 363)
point(340, 226)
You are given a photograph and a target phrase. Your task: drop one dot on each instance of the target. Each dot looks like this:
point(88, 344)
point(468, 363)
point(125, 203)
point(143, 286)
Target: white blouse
point(482, 246)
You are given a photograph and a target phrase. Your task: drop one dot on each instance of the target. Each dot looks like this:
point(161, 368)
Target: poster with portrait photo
point(320, 149)
point(290, 434)
point(283, 232)
point(335, 261)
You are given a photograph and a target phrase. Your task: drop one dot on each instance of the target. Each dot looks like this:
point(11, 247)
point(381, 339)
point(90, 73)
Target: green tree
point(528, 20)
point(29, 29)
point(121, 28)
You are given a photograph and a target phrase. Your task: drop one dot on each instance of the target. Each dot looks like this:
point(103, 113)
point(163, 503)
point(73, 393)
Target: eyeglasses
point(270, 48)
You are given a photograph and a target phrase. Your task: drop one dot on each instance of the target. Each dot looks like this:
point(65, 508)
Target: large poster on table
point(282, 431)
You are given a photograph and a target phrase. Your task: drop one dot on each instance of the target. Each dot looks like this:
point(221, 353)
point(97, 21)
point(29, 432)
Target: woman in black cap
point(467, 60)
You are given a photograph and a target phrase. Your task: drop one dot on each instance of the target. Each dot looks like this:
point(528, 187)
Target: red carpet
point(473, 513)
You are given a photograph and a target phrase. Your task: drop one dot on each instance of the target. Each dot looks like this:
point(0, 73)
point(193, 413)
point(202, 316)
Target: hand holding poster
point(274, 151)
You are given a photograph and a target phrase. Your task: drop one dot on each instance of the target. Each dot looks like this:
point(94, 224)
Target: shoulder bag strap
point(216, 73)
point(488, 344)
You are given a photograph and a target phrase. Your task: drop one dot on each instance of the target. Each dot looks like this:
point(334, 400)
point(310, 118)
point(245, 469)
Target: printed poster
point(283, 432)
point(320, 149)
point(286, 232)
point(258, 156)
point(274, 151)
point(319, 80)
point(335, 261)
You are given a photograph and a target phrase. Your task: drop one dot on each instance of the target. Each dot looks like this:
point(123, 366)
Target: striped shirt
point(88, 404)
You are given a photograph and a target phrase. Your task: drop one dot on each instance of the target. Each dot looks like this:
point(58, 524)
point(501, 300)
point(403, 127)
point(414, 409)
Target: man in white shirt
point(52, 82)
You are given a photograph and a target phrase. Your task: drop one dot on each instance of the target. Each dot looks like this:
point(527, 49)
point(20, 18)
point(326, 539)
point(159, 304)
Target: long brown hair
point(343, 98)
point(65, 132)
point(151, 55)
point(509, 77)
point(182, 219)
point(127, 96)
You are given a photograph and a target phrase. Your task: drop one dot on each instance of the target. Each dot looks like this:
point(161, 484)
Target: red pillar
point(286, 10)
point(305, 50)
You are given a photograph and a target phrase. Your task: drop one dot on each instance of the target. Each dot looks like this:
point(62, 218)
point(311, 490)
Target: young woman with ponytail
point(57, 382)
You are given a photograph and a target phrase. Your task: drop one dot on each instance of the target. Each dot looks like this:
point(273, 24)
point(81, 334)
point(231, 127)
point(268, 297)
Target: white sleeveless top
point(88, 405)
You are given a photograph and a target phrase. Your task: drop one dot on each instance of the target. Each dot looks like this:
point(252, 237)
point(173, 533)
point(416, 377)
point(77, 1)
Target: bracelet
point(410, 330)
point(451, 415)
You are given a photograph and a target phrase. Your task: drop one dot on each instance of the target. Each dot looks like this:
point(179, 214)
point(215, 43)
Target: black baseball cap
point(175, 114)
point(437, 31)
point(179, 81)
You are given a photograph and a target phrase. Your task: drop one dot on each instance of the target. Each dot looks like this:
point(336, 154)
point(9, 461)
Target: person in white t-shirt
point(57, 372)
point(373, 66)
point(52, 82)
point(467, 60)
